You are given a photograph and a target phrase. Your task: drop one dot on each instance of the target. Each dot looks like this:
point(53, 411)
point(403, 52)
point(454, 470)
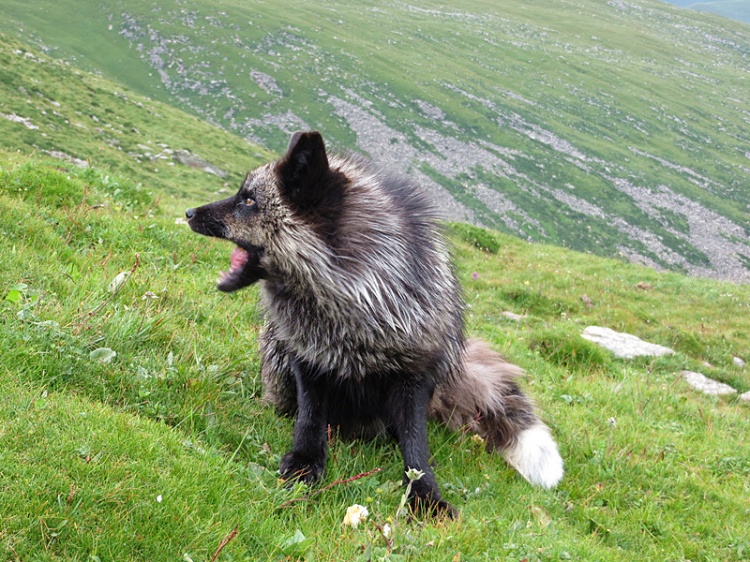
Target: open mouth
point(244, 270)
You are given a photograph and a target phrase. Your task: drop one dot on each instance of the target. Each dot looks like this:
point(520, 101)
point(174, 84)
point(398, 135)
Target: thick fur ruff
point(364, 316)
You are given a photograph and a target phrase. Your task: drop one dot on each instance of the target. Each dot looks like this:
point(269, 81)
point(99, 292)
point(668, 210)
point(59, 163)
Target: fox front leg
point(307, 459)
point(407, 409)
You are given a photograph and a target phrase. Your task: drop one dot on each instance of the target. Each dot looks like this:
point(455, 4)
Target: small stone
point(512, 316)
point(738, 362)
point(707, 386)
point(624, 346)
point(745, 396)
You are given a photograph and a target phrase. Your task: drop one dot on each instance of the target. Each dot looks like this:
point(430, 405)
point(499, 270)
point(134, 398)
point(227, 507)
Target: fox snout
point(208, 219)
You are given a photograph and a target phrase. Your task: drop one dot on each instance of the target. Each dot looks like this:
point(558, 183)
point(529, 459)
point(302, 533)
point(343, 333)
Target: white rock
point(738, 362)
point(705, 385)
point(118, 281)
point(512, 316)
point(18, 119)
point(745, 396)
point(625, 346)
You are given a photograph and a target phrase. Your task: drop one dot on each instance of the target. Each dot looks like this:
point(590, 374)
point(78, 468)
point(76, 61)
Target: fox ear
point(303, 168)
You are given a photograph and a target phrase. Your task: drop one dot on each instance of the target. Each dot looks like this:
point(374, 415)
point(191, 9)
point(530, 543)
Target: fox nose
point(190, 213)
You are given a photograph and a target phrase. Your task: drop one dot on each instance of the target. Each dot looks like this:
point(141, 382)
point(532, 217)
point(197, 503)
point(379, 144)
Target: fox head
point(294, 198)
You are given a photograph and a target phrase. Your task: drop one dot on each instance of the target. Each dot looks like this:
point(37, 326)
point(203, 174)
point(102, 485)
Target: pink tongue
point(238, 259)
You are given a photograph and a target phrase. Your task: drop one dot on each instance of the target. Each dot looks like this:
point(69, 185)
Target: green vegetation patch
point(83, 482)
point(480, 238)
point(564, 347)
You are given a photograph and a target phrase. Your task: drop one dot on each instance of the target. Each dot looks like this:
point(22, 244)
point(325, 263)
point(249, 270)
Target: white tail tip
point(535, 457)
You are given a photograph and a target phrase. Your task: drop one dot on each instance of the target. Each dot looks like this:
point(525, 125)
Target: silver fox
point(364, 317)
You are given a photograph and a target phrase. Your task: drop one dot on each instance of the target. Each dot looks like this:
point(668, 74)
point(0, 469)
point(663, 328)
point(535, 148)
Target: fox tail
point(486, 398)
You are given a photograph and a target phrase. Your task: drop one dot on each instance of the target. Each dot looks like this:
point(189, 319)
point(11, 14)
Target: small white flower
point(387, 531)
point(354, 514)
point(158, 498)
point(149, 295)
point(612, 422)
point(477, 439)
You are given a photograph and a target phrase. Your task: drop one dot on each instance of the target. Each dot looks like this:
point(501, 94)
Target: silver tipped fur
point(364, 317)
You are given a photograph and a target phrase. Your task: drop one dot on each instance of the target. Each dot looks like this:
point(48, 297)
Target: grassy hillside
point(132, 427)
point(618, 128)
point(51, 108)
point(133, 430)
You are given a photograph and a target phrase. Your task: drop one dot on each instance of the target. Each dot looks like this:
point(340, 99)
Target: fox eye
point(249, 202)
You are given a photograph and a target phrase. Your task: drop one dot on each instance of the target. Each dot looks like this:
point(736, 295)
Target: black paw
point(301, 468)
point(430, 507)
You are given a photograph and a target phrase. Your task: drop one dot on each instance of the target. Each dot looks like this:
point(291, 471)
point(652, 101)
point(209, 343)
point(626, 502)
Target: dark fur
point(363, 311)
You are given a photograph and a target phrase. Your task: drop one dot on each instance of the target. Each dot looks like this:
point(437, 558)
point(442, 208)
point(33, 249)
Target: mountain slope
point(53, 109)
point(614, 128)
point(132, 424)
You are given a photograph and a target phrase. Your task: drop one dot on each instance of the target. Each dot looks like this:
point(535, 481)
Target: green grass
point(160, 451)
point(88, 118)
